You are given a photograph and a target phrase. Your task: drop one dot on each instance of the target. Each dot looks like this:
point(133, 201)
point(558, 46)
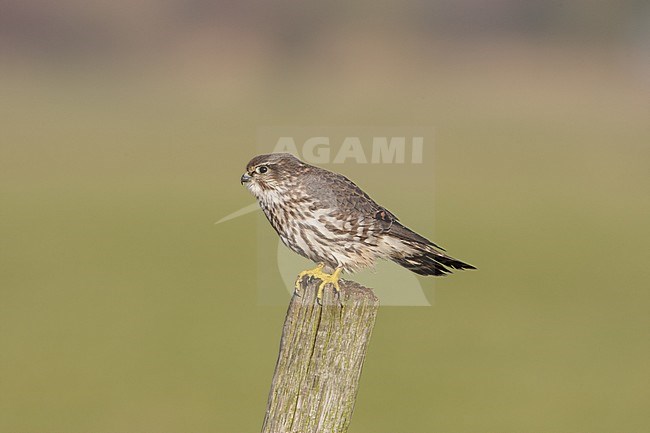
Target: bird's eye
point(261, 169)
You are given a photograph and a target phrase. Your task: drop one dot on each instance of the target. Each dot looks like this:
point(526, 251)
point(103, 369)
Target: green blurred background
point(126, 126)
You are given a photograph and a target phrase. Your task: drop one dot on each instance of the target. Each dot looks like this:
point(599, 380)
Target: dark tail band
point(426, 262)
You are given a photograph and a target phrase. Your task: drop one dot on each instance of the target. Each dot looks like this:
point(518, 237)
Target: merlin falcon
point(328, 219)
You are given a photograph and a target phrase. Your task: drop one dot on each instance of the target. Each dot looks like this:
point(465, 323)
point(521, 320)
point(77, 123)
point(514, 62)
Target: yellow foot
point(323, 276)
point(316, 272)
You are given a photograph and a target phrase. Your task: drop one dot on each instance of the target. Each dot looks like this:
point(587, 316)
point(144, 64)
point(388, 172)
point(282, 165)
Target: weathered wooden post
point(321, 355)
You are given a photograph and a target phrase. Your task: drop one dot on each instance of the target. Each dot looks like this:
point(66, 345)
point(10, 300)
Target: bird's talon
point(325, 278)
point(319, 294)
point(331, 279)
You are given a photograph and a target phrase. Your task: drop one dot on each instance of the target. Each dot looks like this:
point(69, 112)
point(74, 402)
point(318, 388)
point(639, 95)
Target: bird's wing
point(349, 199)
point(337, 191)
point(400, 231)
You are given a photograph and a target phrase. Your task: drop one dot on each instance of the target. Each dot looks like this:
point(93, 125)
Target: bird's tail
point(423, 257)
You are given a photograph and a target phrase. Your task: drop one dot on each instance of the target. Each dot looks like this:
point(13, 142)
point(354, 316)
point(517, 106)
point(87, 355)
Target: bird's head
point(272, 173)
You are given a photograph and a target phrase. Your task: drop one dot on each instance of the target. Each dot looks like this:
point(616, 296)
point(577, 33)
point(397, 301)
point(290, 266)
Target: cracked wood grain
point(322, 351)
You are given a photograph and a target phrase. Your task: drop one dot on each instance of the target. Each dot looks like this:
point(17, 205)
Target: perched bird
point(325, 217)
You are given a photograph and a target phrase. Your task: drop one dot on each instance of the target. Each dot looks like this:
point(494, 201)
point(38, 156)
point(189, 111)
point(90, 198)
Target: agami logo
point(382, 150)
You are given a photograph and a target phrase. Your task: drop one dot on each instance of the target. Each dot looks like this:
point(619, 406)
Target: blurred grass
point(123, 308)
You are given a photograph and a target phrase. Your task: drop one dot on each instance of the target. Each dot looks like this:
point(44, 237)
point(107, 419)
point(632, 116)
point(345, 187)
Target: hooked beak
point(245, 178)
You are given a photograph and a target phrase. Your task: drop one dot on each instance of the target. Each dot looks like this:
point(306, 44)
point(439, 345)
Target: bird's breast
point(320, 233)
